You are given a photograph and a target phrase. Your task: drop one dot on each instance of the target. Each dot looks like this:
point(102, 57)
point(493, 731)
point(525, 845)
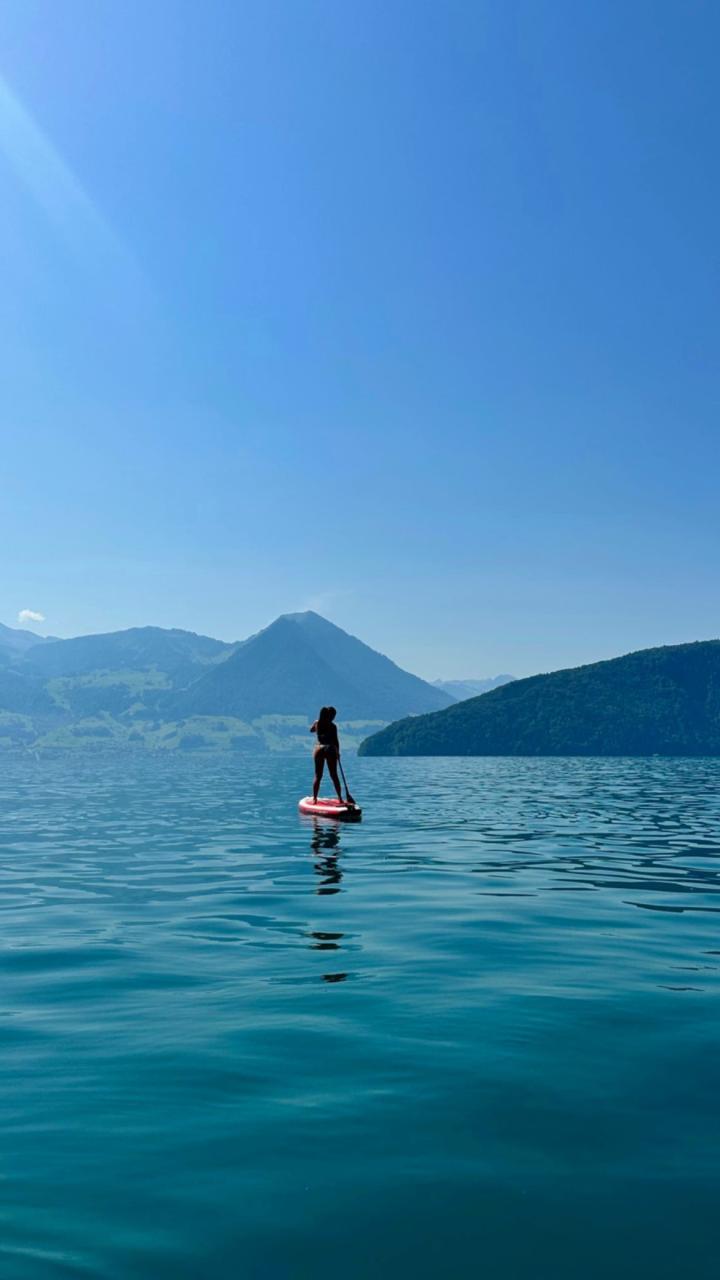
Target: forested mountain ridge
point(295, 665)
point(138, 648)
point(663, 701)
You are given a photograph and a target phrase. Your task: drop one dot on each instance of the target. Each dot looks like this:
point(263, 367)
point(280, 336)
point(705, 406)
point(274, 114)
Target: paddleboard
point(330, 808)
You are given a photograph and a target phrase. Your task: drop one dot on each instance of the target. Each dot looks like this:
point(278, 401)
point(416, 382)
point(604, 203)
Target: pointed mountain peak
point(300, 662)
point(308, 617)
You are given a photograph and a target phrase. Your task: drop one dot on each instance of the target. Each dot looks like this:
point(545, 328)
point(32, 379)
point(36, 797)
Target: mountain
point(662, 701)
point(14, 641)
point(171, 689)
point(24, 695)
point(296, 665)
point(459, 690)
point(138, 648)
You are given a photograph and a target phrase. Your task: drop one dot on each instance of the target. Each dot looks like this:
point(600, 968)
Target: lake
point(476, 1034)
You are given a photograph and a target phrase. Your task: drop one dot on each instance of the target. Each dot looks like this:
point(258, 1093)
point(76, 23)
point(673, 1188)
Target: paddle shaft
point(347, 789)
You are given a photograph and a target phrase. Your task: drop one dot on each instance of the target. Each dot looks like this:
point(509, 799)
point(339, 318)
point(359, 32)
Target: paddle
point(348, 797)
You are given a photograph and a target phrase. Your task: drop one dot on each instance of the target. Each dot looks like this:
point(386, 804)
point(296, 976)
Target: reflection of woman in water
point(325, 845)
point(328, 748)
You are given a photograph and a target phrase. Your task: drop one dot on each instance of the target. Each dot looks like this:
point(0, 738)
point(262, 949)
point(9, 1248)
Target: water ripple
point(236, 1041)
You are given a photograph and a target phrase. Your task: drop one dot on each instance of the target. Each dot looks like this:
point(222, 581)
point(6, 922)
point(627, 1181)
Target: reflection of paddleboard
point(321, 808)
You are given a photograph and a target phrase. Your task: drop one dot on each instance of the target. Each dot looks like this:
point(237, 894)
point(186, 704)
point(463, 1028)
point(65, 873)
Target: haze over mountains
point(462, 689)
point(166, 689)
point(663, 701)
point(170, 688)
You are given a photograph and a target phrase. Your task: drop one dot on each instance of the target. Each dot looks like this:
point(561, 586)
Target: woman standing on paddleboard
point(328, 748)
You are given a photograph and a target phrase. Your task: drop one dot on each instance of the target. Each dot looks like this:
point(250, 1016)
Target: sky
point(406, 312)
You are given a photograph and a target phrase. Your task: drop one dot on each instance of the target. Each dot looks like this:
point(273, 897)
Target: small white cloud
point(30, 615)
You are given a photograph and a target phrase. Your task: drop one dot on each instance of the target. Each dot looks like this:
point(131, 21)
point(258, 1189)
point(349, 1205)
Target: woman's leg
point(319, 756)
point(332, 769)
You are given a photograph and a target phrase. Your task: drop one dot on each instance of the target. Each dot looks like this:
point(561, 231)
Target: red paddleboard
point(321, 808)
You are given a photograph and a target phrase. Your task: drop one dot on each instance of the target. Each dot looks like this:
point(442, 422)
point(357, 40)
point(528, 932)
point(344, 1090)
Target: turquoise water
point(476, 1035)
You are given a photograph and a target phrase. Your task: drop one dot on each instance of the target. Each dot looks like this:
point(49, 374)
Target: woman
point(328, 748)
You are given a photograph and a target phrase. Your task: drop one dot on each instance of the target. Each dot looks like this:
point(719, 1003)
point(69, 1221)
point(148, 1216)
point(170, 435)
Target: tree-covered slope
point(296, 665)
point(137, 649)
point(276, 671)
point(19, 692)
point(654, 702)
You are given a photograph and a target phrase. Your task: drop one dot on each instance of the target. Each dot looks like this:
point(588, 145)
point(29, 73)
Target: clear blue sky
point(407, 312)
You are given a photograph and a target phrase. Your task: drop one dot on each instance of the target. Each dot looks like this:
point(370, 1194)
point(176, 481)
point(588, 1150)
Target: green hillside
point(170, 690)
point(654, 702)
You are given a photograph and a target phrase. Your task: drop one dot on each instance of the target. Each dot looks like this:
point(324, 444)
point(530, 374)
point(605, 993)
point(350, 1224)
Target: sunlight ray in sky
point(46, 175)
